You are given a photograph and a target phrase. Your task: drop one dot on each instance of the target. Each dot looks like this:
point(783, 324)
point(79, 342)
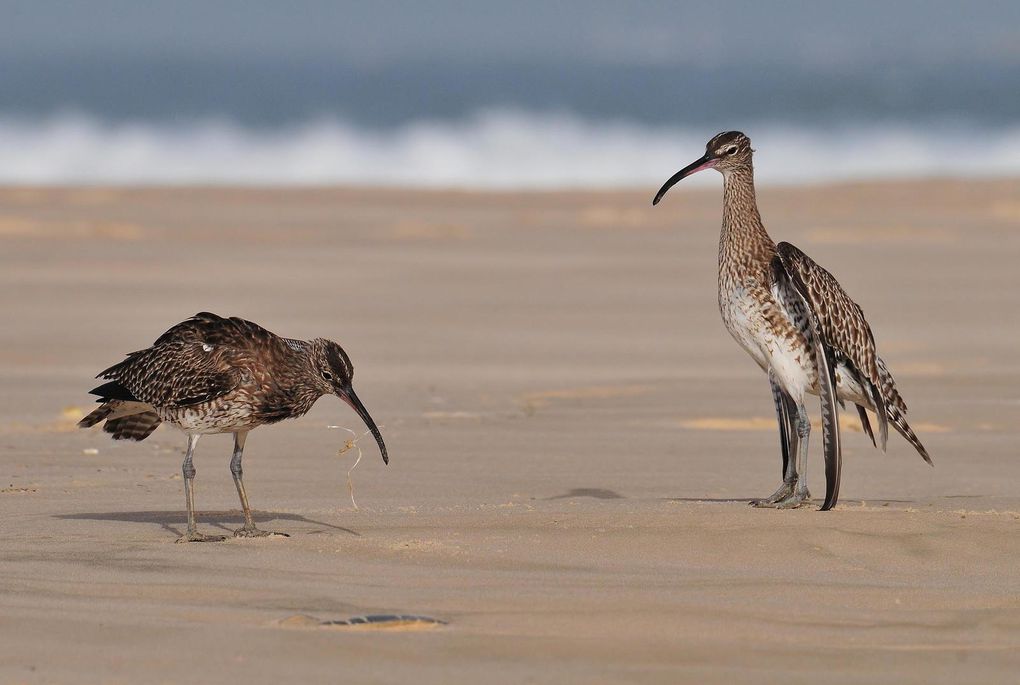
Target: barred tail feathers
point(125, 420)
point(899, 422)
point(896, 410)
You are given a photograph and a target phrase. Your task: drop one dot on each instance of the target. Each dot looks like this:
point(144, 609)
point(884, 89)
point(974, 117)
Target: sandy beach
point(573, 440)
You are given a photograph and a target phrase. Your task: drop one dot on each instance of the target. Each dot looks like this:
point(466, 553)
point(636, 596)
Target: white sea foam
point(493, 149)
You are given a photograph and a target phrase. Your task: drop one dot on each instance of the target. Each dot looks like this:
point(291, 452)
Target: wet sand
point(573, 436)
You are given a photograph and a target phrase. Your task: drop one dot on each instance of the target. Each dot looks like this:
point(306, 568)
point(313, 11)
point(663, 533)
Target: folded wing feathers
point(847, 332)
point(825, 357)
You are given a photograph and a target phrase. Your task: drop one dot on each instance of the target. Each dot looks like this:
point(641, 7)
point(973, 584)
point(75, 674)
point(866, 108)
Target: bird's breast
point(278, 401)
point(762, 324)
point(743, 314)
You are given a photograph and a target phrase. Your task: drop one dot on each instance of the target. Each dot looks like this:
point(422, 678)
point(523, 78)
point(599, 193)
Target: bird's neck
point(744, 242)
point(306, 388)
point(292, 390)
point(303, 396)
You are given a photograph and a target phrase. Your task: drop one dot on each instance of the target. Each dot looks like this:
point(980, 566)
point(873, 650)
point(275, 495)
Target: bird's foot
point(785, 491)
point(253, 532)
point(195, 536)
point(801, 497)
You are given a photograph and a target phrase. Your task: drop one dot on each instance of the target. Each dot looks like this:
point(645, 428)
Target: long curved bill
point(694, 167)
point(355, 404)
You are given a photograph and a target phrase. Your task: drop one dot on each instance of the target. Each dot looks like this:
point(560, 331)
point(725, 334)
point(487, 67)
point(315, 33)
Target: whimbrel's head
point(728, 151)
point(336, 376)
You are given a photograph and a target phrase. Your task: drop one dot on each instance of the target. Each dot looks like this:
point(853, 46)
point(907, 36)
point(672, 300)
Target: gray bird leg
point(789, 440)
point(248, 530)
point(188, 470)
point(801, 495)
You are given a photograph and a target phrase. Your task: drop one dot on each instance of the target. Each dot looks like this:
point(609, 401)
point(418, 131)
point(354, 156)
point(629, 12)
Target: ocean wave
point(493, 149)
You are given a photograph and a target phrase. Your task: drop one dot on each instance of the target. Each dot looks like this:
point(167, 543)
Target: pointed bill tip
point(697, 165)
point(352, 399)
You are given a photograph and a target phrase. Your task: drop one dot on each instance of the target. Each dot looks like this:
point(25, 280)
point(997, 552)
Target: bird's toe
point(797, 499)
point(785, 492)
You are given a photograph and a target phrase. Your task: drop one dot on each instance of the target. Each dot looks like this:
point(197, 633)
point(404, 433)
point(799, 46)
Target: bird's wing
point(842, 324)
point(847, 333)
point(175, 374)
point(195, 361)
point(793, 284)
point(215, 330)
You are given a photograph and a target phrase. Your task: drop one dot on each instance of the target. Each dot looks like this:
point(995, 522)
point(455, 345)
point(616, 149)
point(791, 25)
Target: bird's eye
point(327, 375)
point(731, 150)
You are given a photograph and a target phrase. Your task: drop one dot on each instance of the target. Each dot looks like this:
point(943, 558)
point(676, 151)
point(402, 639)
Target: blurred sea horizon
point(494, 149)
point(472, 95)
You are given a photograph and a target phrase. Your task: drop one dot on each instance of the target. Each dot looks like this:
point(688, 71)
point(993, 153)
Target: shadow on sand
point(747, 500)
point(224, 520)
point(712, 500)
point(594, 493)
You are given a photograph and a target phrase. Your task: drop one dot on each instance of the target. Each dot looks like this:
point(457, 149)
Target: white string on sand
point(352, 443)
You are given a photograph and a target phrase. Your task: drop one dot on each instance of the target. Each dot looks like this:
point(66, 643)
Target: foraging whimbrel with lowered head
point(210, 374)
point(799, 325)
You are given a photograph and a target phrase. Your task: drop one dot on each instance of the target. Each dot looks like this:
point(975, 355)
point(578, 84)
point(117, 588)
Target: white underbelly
point(787, 356)
point(209, 418)
point(793, 366)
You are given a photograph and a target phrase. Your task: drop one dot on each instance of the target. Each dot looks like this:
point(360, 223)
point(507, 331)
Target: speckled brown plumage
point(796, 321)
point(841, 319)
point(849, 336)
point(212, 374)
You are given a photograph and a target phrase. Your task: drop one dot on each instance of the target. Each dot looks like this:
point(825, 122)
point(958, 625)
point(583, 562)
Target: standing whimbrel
point(799, 325)
point(209, 374)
